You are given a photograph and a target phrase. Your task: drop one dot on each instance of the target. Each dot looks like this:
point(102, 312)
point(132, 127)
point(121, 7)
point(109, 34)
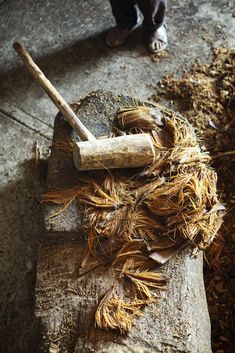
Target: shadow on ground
point(83, 53)
point(21, 227)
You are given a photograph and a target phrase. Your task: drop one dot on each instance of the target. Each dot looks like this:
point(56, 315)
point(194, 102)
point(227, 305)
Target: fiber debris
point(136, 220)
point(206, 96)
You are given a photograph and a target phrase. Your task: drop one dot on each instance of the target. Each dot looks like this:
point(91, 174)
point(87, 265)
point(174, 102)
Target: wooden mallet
point(118, 152)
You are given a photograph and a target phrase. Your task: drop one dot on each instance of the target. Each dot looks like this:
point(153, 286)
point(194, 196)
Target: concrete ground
point(67, 41)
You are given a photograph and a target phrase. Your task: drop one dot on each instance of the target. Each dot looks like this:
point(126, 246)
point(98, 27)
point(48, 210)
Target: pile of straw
point(137, 220)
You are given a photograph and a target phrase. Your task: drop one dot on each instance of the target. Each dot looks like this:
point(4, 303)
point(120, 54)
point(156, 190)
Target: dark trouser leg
point(153, 12)
point(125, 12)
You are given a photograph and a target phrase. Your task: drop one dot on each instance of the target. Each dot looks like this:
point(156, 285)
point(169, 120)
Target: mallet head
point(128, 151)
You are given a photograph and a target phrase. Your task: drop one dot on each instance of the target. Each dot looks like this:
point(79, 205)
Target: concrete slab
point(20, 226)
point(68, 43)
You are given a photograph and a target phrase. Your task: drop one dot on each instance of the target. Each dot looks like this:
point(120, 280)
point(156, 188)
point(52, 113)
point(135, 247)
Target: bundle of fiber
point(136, 220)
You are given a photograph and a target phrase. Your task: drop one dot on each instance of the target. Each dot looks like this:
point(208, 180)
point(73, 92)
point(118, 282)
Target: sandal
point(158, 40)
point(117, 36)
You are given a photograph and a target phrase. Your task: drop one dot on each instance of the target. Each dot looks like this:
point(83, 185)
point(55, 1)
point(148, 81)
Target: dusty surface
point(68, 43)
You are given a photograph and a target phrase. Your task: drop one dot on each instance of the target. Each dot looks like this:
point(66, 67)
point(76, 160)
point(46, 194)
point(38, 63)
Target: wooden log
point(120, 152)
point(66, 303)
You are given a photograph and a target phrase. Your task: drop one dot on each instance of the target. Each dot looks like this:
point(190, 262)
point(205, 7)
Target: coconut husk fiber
point(205, 95)
point(137, 219)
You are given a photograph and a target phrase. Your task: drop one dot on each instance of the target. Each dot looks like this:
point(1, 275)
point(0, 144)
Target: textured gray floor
point(67, 41)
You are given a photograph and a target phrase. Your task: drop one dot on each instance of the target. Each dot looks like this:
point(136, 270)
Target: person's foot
point(158, 40)
point(118, 35)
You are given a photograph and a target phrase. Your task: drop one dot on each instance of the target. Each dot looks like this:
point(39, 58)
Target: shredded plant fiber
point(136, 220)
point(205, 95)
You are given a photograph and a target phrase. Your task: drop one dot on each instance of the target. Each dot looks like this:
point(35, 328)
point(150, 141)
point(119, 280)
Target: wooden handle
point(59, 101)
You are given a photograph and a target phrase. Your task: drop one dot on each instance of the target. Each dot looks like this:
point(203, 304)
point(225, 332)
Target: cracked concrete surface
point(66, 39)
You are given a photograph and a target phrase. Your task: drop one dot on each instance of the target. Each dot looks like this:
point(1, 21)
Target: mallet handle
point(59, 101)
